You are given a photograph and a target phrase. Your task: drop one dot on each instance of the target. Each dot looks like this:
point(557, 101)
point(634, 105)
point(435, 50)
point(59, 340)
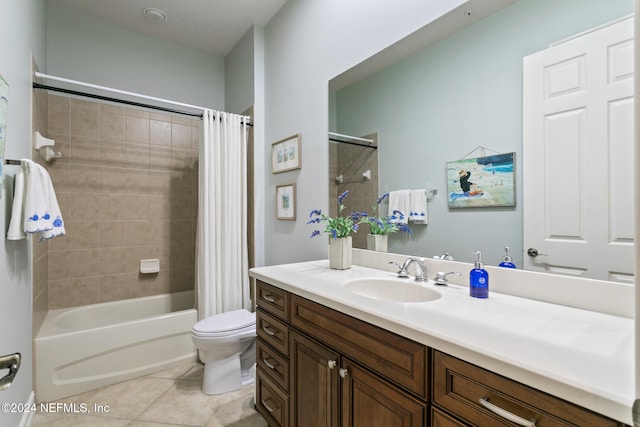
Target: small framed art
point(286, 201)
point(286, 154)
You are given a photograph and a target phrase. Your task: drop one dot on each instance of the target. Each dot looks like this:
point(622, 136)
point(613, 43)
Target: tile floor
point(164, 399)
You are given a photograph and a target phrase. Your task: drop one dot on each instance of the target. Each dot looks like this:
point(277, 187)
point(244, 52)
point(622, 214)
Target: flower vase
point(377, 242)
point(340, 253)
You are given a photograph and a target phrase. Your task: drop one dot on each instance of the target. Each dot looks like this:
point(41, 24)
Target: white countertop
point(582, 356)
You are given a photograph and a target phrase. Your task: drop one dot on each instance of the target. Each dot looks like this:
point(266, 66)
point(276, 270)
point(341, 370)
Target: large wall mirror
point(452, 90)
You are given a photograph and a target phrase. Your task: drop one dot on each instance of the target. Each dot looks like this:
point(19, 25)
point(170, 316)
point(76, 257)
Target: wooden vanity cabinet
point(320, 367)
point(475, 396)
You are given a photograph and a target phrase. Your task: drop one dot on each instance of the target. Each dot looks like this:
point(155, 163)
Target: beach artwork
point(486, 181)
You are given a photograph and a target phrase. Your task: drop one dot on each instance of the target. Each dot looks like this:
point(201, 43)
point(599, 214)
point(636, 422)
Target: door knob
point(533, 252)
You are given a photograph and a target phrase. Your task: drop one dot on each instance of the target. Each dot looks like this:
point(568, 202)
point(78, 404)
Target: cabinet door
point(369, 401)
point(314, 384)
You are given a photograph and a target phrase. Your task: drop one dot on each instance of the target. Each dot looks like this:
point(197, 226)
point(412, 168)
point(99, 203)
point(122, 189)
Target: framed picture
point(286, 201)
point(482, 181)
point(286, 154)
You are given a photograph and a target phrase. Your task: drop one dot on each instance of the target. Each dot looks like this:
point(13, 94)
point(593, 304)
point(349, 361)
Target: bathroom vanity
point(328, 355)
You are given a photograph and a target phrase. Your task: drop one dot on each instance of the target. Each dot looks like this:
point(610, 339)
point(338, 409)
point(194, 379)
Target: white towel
point(400, 201)
point(16, 225)
point(418, 211)
point(37, 210)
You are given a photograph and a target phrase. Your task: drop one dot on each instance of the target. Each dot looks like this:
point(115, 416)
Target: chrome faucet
point(441, 277)
point(444, 256)
point(421, 269)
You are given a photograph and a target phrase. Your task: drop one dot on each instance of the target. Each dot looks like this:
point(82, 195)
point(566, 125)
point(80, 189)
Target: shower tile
point(83, 150)
point(84, 179)
point(60, 177)
point(137, 129)
point(181, 135)
point(84, 262)
point(73, 292)
point(81, 206)
point(137, 233)
point(113, 287)
point(85, 118)
point(159, 231)
point(136, 207)
point(83, 234)
point(112, 206)
point(182, 159)
point(160, 116)
point(113, 180)
point(133, 257)
point(59, 115)
point(113, 152)
point(112, 234)
point(160, 182)
point(149, 284)
point(112, 123)
point(159, 157)
point(137, 181)
point(195, 137)
point(58, 265)
point(181, 120)
point(159, 207)
point(137, 156)
point(112, 260)
point(182, 279)
point(160, 133)
point(181, 206)
point(134, 112)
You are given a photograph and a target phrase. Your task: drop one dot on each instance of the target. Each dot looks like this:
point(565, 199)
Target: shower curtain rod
point(247, 119)
point(355, 138)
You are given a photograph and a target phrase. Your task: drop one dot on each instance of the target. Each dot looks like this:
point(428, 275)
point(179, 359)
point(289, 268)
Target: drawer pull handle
point(332, 364)
point(484, 401)
point(268, 298)
point(269, 408)
point(269, 365)
point(344, 372)
point(267, 329)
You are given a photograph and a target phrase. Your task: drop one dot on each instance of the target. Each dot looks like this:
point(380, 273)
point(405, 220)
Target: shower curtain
point(222, 276)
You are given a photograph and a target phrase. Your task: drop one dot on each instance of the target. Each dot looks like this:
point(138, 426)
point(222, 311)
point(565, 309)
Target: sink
point(398, 290)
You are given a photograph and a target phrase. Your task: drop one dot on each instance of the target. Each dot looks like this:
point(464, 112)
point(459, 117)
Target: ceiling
point(211, 26)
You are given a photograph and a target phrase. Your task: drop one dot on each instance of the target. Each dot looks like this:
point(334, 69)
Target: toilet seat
point(226, 324)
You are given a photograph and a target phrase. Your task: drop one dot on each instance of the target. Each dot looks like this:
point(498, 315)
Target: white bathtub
point(82, 348)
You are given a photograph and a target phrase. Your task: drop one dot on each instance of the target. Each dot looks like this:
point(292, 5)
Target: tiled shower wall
point(127, 188)
point(351, 161)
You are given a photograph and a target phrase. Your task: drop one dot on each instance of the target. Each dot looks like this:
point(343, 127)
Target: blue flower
point(315, 233)
point(315, 212)
point(314, 221)
point(334, 233)
point(342, 196)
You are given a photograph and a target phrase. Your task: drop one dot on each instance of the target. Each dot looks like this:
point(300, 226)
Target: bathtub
point(82, 348)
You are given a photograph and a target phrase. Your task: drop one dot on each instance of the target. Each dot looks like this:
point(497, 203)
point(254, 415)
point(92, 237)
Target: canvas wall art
point(482, 181)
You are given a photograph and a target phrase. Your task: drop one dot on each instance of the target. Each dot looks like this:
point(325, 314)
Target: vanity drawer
point(274, 365)
point(441, 419)
point(397, 358)
point(272, 299)
point(273, 331)
point(271, 402)
point(459, 386)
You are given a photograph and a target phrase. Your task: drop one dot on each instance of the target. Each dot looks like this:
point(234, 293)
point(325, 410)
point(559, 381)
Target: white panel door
point(578, 156)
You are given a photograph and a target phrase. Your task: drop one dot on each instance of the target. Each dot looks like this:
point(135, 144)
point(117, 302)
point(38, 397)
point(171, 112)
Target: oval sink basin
point(397, 290)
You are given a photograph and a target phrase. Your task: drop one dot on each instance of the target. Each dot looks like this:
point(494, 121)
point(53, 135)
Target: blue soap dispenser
point(506, 259)
point(479, 279)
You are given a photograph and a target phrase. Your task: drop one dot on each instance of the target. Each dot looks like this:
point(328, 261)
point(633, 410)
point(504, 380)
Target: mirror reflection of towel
point(400, 200)
point(418, 211)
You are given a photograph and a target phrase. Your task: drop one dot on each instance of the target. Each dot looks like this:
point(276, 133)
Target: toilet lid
point(225, 322)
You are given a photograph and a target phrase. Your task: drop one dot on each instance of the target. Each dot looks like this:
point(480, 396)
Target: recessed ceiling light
point(154, 15)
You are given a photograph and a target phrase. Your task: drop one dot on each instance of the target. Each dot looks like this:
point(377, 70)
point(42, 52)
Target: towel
point(36, 207)
point(418, 211)
point(16, 230)
point(400, 201)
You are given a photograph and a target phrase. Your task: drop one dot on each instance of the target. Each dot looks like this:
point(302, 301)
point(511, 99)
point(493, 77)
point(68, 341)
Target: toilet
point(227, 346)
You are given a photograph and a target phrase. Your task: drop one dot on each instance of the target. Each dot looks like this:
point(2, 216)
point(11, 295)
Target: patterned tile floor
point(169, 398)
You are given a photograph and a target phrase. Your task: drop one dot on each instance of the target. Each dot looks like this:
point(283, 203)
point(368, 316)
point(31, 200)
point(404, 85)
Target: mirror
point(462, 89)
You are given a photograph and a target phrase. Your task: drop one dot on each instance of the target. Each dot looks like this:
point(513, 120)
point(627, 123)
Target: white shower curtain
point(222, 276)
